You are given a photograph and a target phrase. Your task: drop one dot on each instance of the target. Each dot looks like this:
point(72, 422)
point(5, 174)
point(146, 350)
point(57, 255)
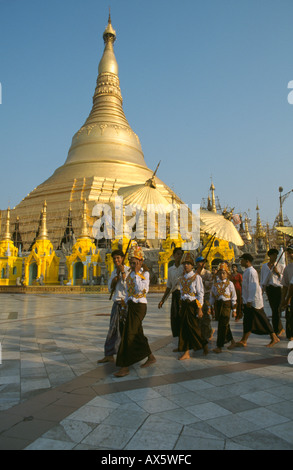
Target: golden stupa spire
point(259, 233)
point(106, 136)
point(7, 235)
point(84, 230)
point(43, 233)
point(247, 234)
point(212, 189)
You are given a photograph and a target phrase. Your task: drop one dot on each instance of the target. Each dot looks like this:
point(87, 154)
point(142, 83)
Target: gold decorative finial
point(44, 234)
point(212, 189)
point(7, 235)
point(84, 230)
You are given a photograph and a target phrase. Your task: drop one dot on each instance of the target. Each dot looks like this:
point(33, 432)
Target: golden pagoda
point(10, 262)
point(105, 155)
point(42, 264)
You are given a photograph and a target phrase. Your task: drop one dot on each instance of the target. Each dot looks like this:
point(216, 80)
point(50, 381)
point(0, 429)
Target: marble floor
point(53, 395)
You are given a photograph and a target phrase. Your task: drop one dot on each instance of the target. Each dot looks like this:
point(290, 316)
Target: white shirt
point(270, 278)
point(251, 290)
point(174, 273)
point(191, 289)
point(287, 275)
point(137, 286)
point(120, 289)
point(223, 290)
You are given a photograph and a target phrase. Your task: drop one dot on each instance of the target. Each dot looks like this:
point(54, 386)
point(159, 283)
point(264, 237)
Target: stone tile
point(284, 408)
point(196, 385)
point(91, 414)
point(263, 417)
point(70, 430)
point(109, 437)
point(155, 405)
point(187, 399)
point(199, 443)
point(142, 394)
point(207, 410)
point(262, 440)
point(236, 404)
point(150, 440)
point(125, 419)
point(160, 423)
point(283, 431)
point(178, 415)
point(50, 444)
point(169, 390)
point(262, 398)
point(233, 425)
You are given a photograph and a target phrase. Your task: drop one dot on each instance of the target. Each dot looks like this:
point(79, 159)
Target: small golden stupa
point(105, 155)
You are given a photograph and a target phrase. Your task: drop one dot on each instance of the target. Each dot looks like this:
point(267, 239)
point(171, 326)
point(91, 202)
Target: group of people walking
point(198, 297)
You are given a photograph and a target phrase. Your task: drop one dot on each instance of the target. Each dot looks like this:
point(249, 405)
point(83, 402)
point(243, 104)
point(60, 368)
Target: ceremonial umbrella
point(286, 230)
point(218, 226)
point(145, 196)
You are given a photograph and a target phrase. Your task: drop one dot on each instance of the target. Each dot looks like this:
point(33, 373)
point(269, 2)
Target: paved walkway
point(54, 396)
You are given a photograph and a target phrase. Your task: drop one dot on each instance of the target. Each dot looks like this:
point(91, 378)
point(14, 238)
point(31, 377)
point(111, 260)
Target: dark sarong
point(205, 322)
point(223, 312)
point(289, 320)
point(190, 336)
point(175, 313)
point(113, 337)
point(134, 345)
point(255, 321)
point(274, 294)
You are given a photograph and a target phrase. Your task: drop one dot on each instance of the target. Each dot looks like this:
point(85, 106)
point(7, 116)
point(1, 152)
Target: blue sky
point(204, 84)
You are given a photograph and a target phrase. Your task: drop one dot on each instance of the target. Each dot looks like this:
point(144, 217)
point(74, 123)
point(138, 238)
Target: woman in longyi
point(192, 296)
point(134, 345)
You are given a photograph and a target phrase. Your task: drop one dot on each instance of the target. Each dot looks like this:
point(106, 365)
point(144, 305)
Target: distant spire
point(43, 232)
point(7, 235)
point(212, 189)
point(84, 230)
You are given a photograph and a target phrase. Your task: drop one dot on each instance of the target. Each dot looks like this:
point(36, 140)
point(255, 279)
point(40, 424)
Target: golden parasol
point(220, 227)
point(145, 196)
point(286, 230)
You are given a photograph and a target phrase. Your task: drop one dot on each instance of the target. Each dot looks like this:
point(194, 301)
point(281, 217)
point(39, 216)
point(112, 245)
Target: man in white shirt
point(254, 319)
point(174, 273)
point(270, 281)
point(117, 287)
point(286, 280)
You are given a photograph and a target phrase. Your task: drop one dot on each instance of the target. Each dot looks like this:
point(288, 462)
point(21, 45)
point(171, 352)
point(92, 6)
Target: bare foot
point(150, 360)
point(122, 372)
point(211, 337)
point(274, 341)
point(232, 345)
point(217, 350)
point(205, 350)
point(186, 355)
point(240, 344)
point(106, 359)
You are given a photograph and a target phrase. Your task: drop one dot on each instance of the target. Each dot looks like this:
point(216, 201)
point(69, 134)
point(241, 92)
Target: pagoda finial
point(84, 230)
point(7, 235)
point(44, 234)
point(212, 189)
